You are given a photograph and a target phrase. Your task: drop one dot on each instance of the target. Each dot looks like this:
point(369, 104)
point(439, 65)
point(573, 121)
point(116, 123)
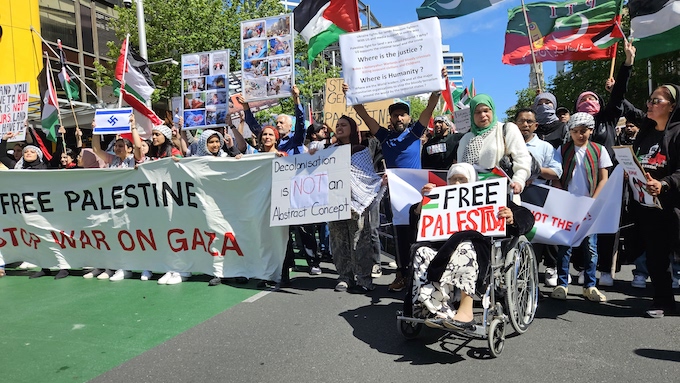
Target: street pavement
point(309, 333)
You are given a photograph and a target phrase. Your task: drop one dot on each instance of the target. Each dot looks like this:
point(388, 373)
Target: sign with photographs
point(205, 89)
point(267, 57)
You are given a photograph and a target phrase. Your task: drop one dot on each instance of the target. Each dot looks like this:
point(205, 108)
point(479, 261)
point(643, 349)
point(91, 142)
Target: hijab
point(591, 107)
point(485, 100)
point(36, 164)
point(464, 169)
point(545, 113)
point(202, 149)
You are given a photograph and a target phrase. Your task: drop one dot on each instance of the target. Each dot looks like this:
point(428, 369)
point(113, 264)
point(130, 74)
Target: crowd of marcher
point(547, 144)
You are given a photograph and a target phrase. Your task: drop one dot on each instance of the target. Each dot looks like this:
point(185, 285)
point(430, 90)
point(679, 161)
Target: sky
point(480, 36)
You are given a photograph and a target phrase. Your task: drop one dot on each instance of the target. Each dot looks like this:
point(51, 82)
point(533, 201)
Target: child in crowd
point(584, 165)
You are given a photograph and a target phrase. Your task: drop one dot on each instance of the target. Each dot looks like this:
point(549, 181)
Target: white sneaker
point(376, 271)
point(92, 274)
point(676, 283)
point(176, 278)
point(26, 266)
point(146, 275)
point(550, 277)
point(606, 280)
point(106, 274)
point(639, 281)
point(164, 279)
point(120, 274)
point(315, 270)
point(581, 278)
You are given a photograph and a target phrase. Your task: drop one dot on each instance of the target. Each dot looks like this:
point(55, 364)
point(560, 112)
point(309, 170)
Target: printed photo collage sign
point(267, 53)
point(205, 89)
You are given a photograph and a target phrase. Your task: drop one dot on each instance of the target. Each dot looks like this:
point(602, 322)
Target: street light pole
point(141, 28)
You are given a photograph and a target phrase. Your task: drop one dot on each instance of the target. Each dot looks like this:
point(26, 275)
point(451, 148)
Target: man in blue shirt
point(400, 143)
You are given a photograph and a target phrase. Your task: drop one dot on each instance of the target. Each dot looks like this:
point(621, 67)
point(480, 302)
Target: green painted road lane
point(74, 329)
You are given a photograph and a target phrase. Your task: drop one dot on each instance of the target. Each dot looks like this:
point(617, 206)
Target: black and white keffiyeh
point(366, 185)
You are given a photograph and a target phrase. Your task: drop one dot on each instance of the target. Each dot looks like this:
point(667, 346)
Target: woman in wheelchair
point(440, 268)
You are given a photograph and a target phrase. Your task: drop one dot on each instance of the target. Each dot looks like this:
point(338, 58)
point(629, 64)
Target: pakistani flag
point(655, 26)
point(449, 9)
point(321, 22)
point(50, 110)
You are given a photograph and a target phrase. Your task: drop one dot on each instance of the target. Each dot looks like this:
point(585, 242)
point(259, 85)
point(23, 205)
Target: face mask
point(545, 114)
point(591, 107)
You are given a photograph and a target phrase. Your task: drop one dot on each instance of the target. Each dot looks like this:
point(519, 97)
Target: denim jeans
point(641, 267)
point(589, 246)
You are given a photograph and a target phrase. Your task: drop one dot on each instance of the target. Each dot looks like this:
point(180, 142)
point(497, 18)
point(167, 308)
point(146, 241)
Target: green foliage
point(525, 99)
point(417, 106)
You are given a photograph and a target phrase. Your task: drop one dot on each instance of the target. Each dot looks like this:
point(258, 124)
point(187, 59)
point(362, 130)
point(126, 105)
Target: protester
point(350, 239)
point(551, 128)
point(657, 146)
point(551, 170)
point(401, 149)
point(178, 141)
point(584, 166)
point(563, 114)
point(457, 265)
point(161, 143)
point(488, 141)
point(439, 152)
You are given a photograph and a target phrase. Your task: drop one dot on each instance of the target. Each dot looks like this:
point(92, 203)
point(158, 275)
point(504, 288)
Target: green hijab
point(486, 100)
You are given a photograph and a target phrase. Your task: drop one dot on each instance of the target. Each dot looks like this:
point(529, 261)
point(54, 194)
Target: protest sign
point(461, 118)
point(311, 188)
point(112, 121)
point(13, 108)
point(335, 106)
point(449, 209)
point(392, 62)
point(164, 215)
point(636, 176)
point(205, 89)
point(268, 57)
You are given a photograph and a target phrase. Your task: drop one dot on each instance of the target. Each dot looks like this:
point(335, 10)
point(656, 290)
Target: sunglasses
point(656, 101)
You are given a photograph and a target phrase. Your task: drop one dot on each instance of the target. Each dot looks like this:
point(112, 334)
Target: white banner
point(112, 121)
point(392, 62)
point(449, 209)
point(200, 214)
point(311, 188)
point(13, 108)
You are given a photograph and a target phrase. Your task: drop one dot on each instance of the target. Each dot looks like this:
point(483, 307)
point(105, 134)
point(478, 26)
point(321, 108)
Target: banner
point(205, 89)
point(311, 188)
point(393, 62)
point(207, 215)
point(561, 218)
point(112, 121)
point(335, 106)
point(472, 206)
point(13, 108)
point(268, 58)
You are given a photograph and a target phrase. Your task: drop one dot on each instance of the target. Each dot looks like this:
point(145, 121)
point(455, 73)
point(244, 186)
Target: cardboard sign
point(13, 107)
point(335, 106)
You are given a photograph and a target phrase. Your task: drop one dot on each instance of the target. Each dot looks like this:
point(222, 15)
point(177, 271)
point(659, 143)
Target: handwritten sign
point(461, 118)
point(13, 107)
point(311, 188)
point(112, 121)
point(471, 206)
point(392, 62)
point(636, 176)
point(335, 106)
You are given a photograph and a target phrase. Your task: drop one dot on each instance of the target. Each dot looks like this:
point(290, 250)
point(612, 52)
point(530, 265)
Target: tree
point(525, 99)
point(176, 27)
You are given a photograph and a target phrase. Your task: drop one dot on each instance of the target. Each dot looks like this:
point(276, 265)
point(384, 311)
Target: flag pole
point(531, 46)
point(47, 44)
point(122, 78)
point(51, 84)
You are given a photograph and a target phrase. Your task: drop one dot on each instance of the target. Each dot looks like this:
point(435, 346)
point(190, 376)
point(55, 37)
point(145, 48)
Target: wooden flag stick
point(531, 46)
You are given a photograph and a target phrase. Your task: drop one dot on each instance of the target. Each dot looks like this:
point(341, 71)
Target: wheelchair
point(509, 294)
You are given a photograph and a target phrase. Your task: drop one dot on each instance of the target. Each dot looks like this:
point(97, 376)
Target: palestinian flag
point(133, 72)
point(473, 91)
point(405, 186)
point(50, 110)
point(609, 36)
point(448, 99)
point(655, 26)
point(67, 84)
point(321, 22)
point(560, 31)
point(449, 9)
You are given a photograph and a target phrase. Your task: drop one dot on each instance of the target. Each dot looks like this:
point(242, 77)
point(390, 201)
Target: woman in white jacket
point(488, 141)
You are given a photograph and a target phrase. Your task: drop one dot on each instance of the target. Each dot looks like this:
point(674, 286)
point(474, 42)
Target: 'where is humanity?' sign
point(391, 62)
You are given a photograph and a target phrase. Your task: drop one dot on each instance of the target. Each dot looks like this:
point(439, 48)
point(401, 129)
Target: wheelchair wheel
point(521, 280)
point(496, 337)
point(409, 330)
